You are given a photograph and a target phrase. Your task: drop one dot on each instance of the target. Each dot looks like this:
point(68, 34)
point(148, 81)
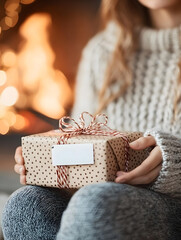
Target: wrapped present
point(93, 155)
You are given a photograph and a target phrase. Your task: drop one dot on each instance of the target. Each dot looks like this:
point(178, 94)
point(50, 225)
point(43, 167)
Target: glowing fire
point(29, 78)
point(35, 62)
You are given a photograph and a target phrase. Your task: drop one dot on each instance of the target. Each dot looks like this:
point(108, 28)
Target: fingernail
point(21, 170)
point(120, 180)
point(119, 173)
point(133, 144)
point(18, 160)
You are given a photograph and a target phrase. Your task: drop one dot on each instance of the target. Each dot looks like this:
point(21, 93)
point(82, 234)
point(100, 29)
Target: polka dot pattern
point(108, 157)
point(135, 157)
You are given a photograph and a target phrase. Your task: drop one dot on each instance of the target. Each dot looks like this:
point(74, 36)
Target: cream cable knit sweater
point(147, 106)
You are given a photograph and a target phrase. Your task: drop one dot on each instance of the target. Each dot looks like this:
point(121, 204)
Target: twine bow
point(95, 127)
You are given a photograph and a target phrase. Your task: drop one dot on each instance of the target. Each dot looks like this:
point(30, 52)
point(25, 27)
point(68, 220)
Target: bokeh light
point(21, 123)
point(4, 127)
point(2, 111)
point(8, 58)
point(12, 76)
point(10, 118)
point(3, 77)
point(3, 25)
point(11, 5)
point(12, 9)
point(11, 21)
point(27, 1)
point(28, 77)
point(9, 96)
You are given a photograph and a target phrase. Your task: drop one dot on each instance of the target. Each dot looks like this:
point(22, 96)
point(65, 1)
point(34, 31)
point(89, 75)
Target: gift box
point(79, 154)
point(108, 154)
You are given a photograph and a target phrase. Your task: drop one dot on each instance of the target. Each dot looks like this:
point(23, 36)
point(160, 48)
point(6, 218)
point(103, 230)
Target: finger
point(153, 160)
point(18, 156)
point(23, 179)
point(120, 176)
point(146, 179)
point(119, 173)
point(143, 142)
point(20, 169)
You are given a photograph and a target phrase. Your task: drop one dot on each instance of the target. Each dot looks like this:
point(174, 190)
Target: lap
point(124, 211)
point(98, 211)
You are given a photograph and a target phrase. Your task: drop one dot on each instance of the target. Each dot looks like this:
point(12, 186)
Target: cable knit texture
point(169, 179)
point(149, 102)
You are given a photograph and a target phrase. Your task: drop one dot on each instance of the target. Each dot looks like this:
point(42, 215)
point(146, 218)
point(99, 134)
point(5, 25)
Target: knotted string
point(95, 127)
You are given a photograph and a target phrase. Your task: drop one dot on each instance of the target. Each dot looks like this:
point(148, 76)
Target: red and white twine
point(95, 127)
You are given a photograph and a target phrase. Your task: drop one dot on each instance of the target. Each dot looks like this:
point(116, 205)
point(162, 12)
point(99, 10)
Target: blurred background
point(40, 48)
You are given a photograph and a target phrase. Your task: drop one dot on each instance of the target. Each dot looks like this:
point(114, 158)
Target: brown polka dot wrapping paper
point(108, 153)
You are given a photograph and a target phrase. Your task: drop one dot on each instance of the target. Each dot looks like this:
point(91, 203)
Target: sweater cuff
point(169, 179)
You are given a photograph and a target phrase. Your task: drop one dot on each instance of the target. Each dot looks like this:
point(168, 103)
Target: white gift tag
point(72, 154)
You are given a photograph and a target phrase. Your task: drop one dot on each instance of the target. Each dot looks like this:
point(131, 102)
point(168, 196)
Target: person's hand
point(149, 169)
point(19, 166)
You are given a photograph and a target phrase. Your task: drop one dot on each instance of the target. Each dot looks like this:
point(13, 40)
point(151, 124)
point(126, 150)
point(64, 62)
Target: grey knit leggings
point(106, 211)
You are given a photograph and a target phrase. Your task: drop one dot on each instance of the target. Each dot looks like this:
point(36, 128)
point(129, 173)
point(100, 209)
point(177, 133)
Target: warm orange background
point(73, 24)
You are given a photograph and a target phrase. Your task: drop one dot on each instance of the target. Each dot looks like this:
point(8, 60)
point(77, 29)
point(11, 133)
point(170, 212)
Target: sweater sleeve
point(169, 179)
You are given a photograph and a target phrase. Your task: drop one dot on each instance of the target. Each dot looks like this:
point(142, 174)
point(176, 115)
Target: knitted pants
point(106, 211)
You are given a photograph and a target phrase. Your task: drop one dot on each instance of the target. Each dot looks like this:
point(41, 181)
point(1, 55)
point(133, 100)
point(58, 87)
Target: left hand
point(149, 169)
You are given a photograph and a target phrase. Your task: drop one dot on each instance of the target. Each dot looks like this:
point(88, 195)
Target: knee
point(13, 211)
point(17, 202)
point(95, 206)
point(108, 200)
point(17, 208)
point(104, 195)
point(98, 200)
point(29, 212)
point(21, 201)
point(114, 203)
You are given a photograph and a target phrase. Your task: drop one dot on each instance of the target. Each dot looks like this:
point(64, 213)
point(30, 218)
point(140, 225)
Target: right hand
point(19, 166)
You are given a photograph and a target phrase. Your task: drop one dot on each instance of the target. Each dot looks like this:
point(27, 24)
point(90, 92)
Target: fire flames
point(28, 78)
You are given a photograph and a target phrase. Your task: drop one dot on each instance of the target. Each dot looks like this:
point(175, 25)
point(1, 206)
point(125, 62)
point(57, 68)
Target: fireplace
point(40, 47)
